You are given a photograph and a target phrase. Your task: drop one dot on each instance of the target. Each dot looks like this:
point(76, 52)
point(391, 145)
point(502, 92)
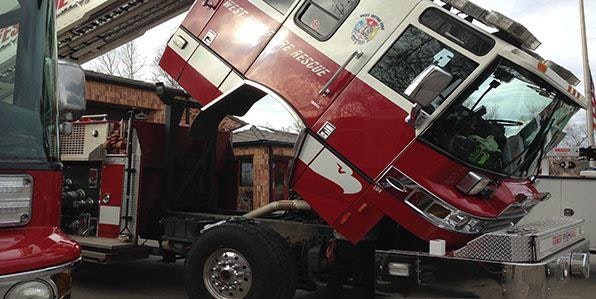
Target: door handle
point(568, 212)
point(391, 182)
point(325, 90)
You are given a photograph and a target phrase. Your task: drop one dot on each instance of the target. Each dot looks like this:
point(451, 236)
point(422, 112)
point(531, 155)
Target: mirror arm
point(65, 128)
point(412, 119)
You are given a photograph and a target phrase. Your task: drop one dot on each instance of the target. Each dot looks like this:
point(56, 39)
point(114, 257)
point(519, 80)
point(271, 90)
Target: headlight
point(30, 290)
point(15, 199)
point(443, 215)
point(473, 183)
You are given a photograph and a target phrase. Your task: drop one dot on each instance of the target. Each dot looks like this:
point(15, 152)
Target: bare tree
point(130, 59)
point(158, 74)
point(492, 112)
point(576, 136)
point(107, 64)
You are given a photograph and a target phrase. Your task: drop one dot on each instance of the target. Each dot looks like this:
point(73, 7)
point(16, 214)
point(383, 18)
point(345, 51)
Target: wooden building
point(263, 155)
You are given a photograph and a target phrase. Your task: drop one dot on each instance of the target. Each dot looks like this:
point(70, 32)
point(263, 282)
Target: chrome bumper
point(47, 275)
point(464, 277)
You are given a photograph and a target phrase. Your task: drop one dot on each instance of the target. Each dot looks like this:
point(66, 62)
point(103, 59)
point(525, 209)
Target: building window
point(411, 54)
point(246, 178)
point(321, 18)
point(280, 171)
point(245, 184)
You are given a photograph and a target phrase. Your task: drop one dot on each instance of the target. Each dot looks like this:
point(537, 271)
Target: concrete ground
point(153, 279)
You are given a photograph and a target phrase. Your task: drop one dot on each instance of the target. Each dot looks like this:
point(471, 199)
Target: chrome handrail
point(325, 90)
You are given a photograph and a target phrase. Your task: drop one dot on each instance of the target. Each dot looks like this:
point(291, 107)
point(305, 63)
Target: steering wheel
point(506, 122)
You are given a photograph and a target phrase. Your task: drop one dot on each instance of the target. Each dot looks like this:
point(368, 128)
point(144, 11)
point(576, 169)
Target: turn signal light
point(16, 192)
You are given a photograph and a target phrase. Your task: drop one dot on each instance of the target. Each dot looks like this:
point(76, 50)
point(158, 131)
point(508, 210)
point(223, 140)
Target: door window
point(321, 18)
point(411, 54)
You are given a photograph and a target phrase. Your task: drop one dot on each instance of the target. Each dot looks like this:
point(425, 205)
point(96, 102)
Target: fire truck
point(564, 175)
point(36, 257)
point(424, 121)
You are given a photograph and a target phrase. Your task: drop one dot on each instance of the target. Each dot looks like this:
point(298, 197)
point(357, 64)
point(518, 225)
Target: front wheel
point(240, 260)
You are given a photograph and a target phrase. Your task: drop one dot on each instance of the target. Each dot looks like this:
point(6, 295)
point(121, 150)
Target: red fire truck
point(416, 121)
point(35, 255)
point(412, 113)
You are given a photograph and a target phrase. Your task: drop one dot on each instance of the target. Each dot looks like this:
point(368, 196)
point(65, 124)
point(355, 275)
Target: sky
point(554, 22)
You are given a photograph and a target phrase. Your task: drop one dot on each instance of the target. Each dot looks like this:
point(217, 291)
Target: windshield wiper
point(493, 84)
point(539, 139)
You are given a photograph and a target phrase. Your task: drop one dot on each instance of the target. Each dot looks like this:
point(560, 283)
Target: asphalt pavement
point(151, 278)
point(147, 278)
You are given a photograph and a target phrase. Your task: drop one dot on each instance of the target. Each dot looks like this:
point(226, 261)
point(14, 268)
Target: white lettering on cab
point(253, 23)
point(305, 59)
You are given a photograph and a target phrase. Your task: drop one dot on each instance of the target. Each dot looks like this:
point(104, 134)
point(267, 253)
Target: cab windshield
point(504, 123)
point(27, 82)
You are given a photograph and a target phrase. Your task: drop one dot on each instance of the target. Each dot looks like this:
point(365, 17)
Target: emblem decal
point(332, 168)
point(315, 24)
point(367, 29)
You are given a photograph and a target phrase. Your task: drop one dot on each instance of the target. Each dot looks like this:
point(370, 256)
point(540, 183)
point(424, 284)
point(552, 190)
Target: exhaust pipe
point(282, 205)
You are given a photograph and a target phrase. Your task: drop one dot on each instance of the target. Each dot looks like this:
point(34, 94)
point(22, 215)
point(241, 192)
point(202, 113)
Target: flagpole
point(587, 87)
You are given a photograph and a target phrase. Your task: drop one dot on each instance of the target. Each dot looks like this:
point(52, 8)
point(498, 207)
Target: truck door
point(454, 46)
point(229, 43)
point(366, 124)
point(111, 189)
point(373, 108)
point(321, 46)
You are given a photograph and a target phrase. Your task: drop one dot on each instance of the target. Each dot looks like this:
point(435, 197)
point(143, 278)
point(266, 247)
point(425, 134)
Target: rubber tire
point(272, 263)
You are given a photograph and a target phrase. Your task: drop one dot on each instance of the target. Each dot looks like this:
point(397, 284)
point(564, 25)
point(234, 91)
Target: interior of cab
point(504, 122)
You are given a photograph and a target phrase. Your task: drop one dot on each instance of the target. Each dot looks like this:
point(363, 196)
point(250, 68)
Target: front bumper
point(486, 277)
point(469, 278)
point(58, 278)
point(37, 254)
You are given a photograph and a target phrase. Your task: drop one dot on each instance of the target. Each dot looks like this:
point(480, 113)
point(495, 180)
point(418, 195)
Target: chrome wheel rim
point(227, 274)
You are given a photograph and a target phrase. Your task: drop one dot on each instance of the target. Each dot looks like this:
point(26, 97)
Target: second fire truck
point(36, 257)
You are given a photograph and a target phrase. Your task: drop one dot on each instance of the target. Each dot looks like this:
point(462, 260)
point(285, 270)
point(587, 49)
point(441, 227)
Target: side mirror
point(71, 92)
point(425, 88)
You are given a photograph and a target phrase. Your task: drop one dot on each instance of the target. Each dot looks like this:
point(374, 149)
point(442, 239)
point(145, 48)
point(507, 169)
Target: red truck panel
point(253, 30)
point(360, 113)
point(440, 175)
point(197, 85)
point(297, 71)
point(40, 243)
point(112, 184)
point(32, 248)
point(355, 223)
point(200, 15)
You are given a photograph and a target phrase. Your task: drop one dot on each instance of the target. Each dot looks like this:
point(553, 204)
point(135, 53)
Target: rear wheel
point(240, 260)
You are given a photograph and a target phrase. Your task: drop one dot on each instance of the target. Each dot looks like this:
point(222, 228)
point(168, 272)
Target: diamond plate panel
point(529, 242)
